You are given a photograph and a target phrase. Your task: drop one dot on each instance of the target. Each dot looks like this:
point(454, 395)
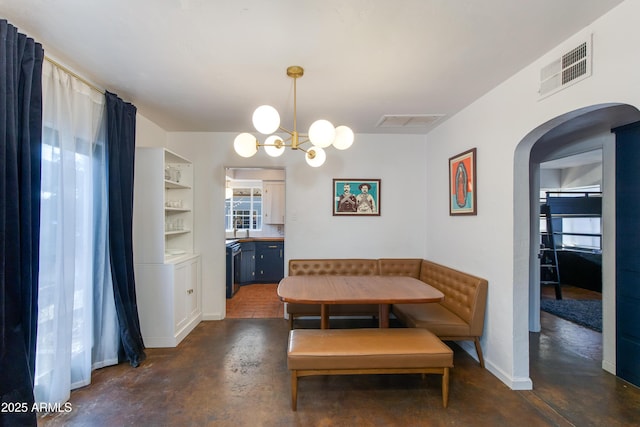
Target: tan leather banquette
point(460, 316)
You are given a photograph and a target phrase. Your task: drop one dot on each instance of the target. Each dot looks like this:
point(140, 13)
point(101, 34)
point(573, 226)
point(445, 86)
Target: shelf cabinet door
point(186, 298)
point(269, 261)
point(181, 278)
point(247, 263)
point(193, 289)
point(273, 202)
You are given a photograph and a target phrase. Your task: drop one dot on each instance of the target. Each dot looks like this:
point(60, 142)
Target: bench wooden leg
point(291, 321)
point(445, 387)
point(294, 390)
point(476, 340)
point(324, 316)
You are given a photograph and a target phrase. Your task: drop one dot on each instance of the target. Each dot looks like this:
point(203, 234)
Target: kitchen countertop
point(255, 239)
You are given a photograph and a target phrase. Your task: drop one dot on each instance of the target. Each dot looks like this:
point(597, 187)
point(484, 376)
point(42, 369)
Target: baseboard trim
point(212, 316)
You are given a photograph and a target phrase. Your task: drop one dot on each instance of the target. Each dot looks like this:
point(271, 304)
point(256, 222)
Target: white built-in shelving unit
point(168, 272)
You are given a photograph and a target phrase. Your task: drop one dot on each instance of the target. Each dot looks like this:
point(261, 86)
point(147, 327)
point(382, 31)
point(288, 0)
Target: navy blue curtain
point(20, 158)
point(121, 137)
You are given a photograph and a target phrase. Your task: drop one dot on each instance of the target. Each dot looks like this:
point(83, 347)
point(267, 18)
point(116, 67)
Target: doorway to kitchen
point(255, 225)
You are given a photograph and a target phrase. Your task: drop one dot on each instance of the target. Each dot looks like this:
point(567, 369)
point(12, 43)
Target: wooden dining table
point(381, 290)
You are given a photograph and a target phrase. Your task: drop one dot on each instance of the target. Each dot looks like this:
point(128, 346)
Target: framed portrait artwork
point(462, 183)
point(356, 197)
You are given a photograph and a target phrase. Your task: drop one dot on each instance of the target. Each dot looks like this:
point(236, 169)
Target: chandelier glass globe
point(344, 137)
point(274, 146)
point(245, 145)
point(322, 133)
point(315, 156)
point(266, 119)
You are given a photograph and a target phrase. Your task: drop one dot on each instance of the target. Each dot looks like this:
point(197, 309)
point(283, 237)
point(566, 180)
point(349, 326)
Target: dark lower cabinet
point(269, 261)
point(261, 262)
point(247, 263)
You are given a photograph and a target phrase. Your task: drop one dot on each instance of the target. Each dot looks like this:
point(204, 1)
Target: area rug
point(587, 313)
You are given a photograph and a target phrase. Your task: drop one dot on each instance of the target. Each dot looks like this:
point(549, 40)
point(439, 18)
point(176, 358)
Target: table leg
point(324, 316)
point(383, 316)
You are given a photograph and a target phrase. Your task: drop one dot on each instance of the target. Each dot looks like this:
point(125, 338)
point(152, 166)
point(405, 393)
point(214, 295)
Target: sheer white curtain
point(77, 324)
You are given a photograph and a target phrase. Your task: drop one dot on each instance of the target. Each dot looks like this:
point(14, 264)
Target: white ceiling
point(582, 159)
point(205, 65)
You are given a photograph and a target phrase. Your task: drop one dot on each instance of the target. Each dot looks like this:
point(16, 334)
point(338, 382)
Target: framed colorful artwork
point(462, 184)
point(356, 197)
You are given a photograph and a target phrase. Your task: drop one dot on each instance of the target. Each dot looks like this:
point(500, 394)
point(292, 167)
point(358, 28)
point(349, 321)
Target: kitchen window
point(243, 210)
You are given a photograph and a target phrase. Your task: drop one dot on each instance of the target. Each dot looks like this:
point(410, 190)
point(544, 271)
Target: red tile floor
point(257, 301)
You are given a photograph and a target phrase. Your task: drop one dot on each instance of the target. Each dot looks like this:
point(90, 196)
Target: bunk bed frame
point(558, 205)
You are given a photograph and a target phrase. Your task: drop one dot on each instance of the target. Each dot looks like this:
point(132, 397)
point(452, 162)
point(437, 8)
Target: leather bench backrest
point(333, 267)
point(464, 294)
point(400, 267)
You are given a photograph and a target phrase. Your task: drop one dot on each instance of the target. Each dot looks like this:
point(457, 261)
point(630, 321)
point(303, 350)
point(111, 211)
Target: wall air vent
point(569, 69)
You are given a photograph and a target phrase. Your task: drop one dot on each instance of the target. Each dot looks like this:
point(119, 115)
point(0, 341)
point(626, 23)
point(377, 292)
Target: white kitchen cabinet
point(168, 298)
point(167, 271)
point(194, 289)
point(186, 293)
point(180, 276)
point(273, 202)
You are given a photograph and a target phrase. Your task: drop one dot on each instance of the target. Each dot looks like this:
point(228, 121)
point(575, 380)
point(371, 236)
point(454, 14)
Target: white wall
point(311, 231)
point(582, 176)
point(573, 177)
point(503, 125)
point(148, 134)
point(550, 178)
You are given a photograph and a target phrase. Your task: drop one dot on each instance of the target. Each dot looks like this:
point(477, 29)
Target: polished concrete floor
point(233, 373)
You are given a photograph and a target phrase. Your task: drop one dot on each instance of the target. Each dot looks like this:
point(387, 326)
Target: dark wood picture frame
point(356, 197)
point(463, 184)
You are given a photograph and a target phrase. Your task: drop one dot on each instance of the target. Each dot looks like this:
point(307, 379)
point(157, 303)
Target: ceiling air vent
point(408, 120)
point(570, 68)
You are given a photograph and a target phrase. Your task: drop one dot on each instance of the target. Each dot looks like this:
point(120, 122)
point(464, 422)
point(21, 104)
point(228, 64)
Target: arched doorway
point(571, 131)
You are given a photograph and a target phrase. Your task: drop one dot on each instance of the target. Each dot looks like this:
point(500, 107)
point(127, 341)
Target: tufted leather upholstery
point(334, 267)
point(400, 267)
point(460, 316)
point(464, 294)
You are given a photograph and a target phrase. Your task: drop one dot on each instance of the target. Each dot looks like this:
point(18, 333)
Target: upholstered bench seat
point(434, 317)
point(367, 351)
